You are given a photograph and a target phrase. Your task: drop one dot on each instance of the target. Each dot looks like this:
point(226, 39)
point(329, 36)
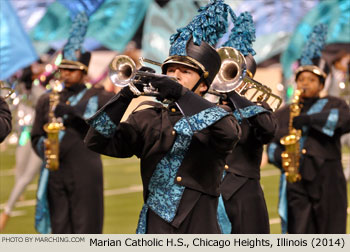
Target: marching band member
point(75, 190)
point(242, 197)
point(316, 202)
point(182, 146)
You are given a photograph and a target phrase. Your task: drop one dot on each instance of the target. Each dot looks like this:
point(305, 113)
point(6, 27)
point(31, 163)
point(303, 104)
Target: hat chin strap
point(198, 82)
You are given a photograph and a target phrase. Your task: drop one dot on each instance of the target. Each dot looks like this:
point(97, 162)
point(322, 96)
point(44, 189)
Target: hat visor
point(181, 60)
point(310, 68)
point(67, 64)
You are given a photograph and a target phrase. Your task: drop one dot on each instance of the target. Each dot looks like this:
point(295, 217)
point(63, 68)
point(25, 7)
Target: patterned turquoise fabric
point(283, 203)
point(164, 195)
point(42, 213)
point(271, 152)
point(74, 99)
point(223, 220)
point(331, 123)
point(248, 112)
point(103, 124)
point(209, 25)
point(91, 107)
point(142, 225)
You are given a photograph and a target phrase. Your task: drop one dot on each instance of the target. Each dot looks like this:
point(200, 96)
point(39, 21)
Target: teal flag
point(16, 49)
point(161, 23)
point(113, 24)
point(335, 14)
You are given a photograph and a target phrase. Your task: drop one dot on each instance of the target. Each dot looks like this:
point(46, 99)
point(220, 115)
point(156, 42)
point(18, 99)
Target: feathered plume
point(76, 36)
point(242, 34)
point(314, 45)
point(209, 25)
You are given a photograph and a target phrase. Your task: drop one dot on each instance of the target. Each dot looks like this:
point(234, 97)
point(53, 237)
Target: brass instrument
point(9, 91)
point(291, 155)
point(232, 76)
point(123, 72)
point(52, 128)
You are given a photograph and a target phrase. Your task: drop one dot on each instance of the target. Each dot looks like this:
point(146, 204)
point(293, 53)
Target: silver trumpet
point(233, 76)
point(123, 72)
point(7, 90)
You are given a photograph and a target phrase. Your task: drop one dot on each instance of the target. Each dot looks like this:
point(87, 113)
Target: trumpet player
point(316, 203)
point(74, 192)
point(182, 146)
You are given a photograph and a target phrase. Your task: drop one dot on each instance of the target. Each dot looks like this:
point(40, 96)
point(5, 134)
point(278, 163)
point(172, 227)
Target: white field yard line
point(111, 192)
point(138, 188)
point(264, 173)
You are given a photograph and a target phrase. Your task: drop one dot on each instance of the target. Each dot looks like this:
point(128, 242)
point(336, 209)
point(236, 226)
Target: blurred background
point(33, 33)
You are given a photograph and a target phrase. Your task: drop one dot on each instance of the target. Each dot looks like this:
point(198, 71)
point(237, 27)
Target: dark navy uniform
point(5, 120)
point(317, 203)
point(181, 165)
point(242, 194)
point(75, 191)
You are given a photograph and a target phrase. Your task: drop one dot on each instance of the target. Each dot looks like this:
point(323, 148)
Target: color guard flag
point(16, 49)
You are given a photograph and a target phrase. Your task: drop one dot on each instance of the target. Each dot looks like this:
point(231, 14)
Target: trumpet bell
point(232, 71)
point(122, 70)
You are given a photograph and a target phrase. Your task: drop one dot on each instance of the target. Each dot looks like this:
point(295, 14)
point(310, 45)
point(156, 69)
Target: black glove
point(147, 69)
point(300, 121)
point(167, 88)
point(127, 93)
point(64, 109)
point(144, 80)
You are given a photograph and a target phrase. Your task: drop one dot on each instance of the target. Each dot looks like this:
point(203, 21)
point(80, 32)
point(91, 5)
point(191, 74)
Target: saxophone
point(291, 155)
point(52, 128)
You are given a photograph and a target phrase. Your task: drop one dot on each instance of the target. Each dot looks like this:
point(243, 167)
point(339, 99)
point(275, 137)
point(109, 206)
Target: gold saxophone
point(291, 155)
point(52, 128)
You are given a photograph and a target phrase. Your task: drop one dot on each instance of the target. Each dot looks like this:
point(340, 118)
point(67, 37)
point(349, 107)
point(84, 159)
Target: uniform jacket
point(5, 120)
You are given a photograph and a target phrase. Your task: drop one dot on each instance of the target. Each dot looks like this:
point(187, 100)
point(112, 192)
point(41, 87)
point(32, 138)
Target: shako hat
point(194, 44)
point(311, 58)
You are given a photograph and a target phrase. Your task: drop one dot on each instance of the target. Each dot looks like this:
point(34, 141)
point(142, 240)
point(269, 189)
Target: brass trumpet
point(232, 76)
point(9, 91)
point(123, 72)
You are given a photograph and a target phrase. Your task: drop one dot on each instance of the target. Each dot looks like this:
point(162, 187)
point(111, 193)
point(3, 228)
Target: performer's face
point(186, 76)
point(310, 83)
point(71, 77)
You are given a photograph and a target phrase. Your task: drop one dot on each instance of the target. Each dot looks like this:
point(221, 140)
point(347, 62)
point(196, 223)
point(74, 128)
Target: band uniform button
point(226, 167)
point(173, 110)
point(173, 132)
point(178, 179)
point(303, 151)
point(68, 102)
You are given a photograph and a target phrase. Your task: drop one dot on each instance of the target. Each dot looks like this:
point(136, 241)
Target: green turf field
point(123, 195)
